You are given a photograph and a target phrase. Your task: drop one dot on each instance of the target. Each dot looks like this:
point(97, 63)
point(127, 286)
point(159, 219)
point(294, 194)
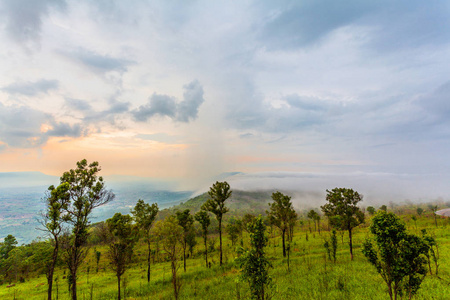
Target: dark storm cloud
point(23, 18)
point(30, 88)
point(167, 106)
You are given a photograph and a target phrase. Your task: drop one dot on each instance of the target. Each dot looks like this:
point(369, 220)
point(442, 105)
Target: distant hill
point(26, 179)
point(240, 203)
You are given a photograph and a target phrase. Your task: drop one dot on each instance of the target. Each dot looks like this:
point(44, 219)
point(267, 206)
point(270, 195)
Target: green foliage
point(219, 193)
point(171, 234)
point(254, 263)
point(383, 207)
point(144, 215)
point(186, 221)
point(371, 210)
point(399, 257)
point(203, 218)
point(8, 245)
point(281, 214)
point(419, 211)
point(234, 230)
point(87, 191)
point(122, 238)
point(343, 212)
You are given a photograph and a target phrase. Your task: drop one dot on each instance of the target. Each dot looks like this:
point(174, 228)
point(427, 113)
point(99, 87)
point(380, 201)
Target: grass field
point(311, 274)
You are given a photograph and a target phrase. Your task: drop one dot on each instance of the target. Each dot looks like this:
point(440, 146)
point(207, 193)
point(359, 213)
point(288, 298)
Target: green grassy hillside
point(311, 274)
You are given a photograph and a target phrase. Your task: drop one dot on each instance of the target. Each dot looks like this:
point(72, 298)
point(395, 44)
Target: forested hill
point(240, 203)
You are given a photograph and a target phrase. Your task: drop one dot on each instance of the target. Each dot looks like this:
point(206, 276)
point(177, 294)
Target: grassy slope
point(311, 276)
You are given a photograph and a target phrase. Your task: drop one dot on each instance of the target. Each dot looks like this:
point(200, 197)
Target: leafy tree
point(246, 220)
point(186, 221)
point(312, 215)
point(203, 218)
point(433, 250)
point(9, 244)
point(144, 215)
point(414, 218)
point(87, 191)
point(281, 214)
point(342, 211)
point(219, 193)
point(234, 230)
point(254, 263)
point(171, 235)
point(57, 201)
point(98, 254)
point(383, 207)
point(191, 241)
point(434, 209)
point(371, 210)
point(419, 211)
point(398, 257)
point(331, 246)
point(122, 238)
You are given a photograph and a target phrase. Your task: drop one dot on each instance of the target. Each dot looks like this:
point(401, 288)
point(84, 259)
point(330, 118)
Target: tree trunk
point(148, 260)
point(220, 238)
point(174, 279)
point(118, 287)
point(284, 245)
point(184, 255)
point(206, 252)
point(74, 285)
point(52, 270)
point(350, 243)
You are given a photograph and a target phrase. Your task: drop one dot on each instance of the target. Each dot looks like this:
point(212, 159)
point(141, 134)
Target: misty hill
point(26, 179)
point(240, 203)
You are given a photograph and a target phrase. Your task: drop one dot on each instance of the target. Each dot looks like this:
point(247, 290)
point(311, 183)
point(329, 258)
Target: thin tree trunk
point(74, 285)
point(148, 260)
point(350, 243)
point(284, 245)
point(118, 286)
point(206, 252)
point(174, 279)
point(220, 238)
point(184, 255)
point(52, 269)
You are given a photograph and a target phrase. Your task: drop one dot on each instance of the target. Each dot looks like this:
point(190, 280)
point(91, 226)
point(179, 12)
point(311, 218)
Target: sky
point(309, 94)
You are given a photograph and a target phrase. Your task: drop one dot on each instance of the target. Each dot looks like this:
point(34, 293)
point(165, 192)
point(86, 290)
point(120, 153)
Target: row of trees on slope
point(81, 190)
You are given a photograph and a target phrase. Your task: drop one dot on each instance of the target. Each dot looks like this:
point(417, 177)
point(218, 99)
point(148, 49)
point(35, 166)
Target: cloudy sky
point(190, 89)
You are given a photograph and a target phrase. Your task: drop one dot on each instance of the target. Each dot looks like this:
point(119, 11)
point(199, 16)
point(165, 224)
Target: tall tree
point(9, 244)
point(219, 193)
point(52, 221)
point(343, 212)
point(254, 263)
point(399, 257)
point(122, 238)
point(312, 214)
point(144, 215)
point(87, 191)
point(281, 214)
point(171, 236)
point(203, 218)
point(186, 221)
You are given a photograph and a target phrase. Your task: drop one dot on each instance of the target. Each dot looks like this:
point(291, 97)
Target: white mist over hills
point(22, 193)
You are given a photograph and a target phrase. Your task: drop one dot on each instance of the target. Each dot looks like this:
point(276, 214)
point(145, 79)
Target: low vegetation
point(396, 252)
